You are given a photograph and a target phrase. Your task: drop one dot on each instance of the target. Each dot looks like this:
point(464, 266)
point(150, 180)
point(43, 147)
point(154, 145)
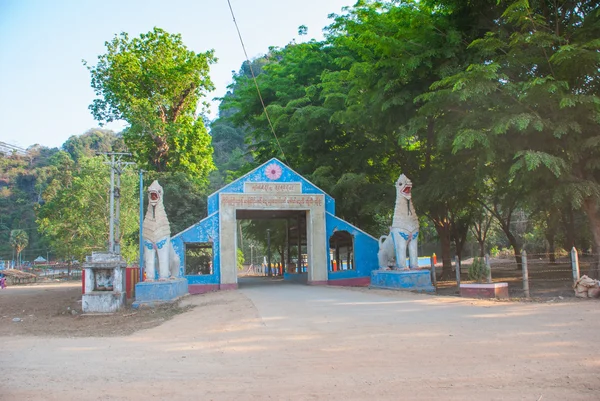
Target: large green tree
point(75, 215)
point(155, 83)
point(531, 97)
point(396, 51)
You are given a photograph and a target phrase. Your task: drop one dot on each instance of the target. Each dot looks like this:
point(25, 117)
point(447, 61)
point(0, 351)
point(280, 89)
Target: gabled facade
point(337, 252)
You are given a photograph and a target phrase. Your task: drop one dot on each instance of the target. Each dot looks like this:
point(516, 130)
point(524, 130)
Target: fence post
point(457, 268)
point(488, 266)
point(525, 273)
point(433, 276)
point(575, 264)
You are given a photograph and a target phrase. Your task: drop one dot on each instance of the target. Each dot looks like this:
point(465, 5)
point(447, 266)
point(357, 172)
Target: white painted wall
point(314, 205)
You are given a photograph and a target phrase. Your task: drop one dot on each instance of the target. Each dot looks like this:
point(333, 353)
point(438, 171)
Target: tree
point(482, 222)
point(23, 179)
point(155, 83)
point(531, 96)
point(75, 215)
point(92, 142)
point(19, 241)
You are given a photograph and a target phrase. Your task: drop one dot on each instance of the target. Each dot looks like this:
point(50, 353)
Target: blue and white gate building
point(333, 251)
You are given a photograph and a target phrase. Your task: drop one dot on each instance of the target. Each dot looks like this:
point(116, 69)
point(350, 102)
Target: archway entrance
point(314, 236)
point(283, 239)
point(304, 233)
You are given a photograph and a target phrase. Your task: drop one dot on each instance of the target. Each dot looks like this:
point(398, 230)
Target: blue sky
point(45, 89)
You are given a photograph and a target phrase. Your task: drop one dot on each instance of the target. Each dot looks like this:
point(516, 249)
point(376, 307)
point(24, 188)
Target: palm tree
point(19, 241)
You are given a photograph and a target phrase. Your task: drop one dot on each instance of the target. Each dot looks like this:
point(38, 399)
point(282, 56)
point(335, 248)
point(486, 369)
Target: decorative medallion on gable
point(273, 171)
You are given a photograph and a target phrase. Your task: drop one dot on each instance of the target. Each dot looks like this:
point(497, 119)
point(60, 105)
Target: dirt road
point(271, 340)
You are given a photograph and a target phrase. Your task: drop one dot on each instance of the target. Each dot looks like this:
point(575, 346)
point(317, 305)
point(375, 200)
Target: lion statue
point(404, 231)
point(157, 238)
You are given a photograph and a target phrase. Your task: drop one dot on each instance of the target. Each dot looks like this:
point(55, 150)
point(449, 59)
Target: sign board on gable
point(272, 188)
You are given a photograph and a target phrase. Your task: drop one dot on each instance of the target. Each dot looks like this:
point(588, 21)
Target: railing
point(534, 277)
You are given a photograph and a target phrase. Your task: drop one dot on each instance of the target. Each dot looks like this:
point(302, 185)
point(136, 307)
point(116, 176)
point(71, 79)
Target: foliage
point(155, 83)
point(19, 241)
point(92, 142)
point(75, 215)
point(22, 181)
point(240, 259)
point(529, 104)
point(478, 270)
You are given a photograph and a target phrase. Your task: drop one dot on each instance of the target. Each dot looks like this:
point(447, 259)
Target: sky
point(45, 89)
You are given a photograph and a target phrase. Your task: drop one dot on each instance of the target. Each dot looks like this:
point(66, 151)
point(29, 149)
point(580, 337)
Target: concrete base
point(351, 282)
point(492, 290)
point(202, 288)
point(102, 301)
point(152, 293)
point(408, 280)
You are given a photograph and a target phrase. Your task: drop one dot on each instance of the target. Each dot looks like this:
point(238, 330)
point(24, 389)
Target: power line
point(256, 82)
point(8, 149)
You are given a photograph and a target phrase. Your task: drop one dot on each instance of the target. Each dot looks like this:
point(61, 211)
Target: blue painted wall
point(365, 249)
point(206, 230)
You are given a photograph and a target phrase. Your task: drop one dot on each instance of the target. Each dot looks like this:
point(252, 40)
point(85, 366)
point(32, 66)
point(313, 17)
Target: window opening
point(341, 251)
point(199, 258)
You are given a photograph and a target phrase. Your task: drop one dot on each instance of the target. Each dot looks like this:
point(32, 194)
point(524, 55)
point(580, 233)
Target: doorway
point(274, 241)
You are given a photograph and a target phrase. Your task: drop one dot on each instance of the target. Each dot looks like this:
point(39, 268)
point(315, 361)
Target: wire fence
point(43, 273)
point(533, 276)
point(53, 274)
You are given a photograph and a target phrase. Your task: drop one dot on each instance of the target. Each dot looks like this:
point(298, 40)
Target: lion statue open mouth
point(404, 231)
point(157, 238)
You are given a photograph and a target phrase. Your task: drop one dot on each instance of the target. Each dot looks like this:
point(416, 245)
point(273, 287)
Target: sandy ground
point(54, 310)
point(275, 340)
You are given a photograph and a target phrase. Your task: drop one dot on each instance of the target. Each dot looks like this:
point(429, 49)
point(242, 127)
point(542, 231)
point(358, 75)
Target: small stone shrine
point(104, 289)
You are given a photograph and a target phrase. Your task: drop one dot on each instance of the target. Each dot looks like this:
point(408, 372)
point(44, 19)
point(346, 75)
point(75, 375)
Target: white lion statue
point(404, 231)
point(157, 238)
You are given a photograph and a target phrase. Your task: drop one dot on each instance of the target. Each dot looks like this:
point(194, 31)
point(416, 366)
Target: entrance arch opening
point(279, 244)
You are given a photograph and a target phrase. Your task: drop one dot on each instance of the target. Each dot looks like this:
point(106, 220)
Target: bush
point(478, 270)
point(240, 259)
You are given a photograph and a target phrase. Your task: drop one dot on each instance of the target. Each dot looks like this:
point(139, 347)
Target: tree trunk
point(482, 248)
point(551, 248)
point(443, 231)
point(590, 207)
point(515, 245)
point(568, 220)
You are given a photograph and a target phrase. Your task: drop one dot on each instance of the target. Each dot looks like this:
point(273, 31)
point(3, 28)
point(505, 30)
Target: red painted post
point(132, 277)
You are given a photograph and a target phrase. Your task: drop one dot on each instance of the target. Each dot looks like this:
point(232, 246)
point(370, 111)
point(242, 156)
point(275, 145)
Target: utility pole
point(117, 166)
point(141, 261)
point(270, 273)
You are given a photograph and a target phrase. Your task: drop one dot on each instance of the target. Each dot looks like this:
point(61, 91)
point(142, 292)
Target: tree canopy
point(483, 105)
point(155, 83)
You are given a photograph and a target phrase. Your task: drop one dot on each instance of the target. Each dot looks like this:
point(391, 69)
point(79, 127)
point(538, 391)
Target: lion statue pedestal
point(393, 271)
point(158, 250)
